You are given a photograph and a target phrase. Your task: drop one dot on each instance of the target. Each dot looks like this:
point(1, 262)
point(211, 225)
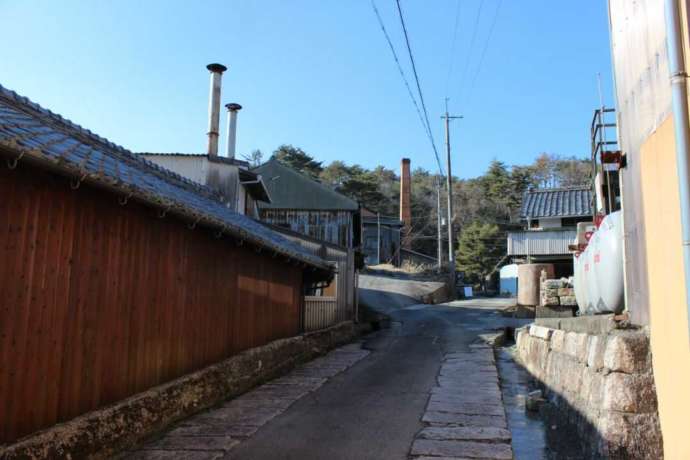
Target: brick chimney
point(405, 201)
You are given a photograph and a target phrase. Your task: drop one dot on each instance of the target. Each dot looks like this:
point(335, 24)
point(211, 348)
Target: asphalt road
point(373, 410)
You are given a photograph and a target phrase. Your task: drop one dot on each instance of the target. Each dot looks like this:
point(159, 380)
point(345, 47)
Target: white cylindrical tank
point(599, 269)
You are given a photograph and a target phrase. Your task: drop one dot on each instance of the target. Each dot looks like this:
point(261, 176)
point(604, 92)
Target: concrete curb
point(100, 433)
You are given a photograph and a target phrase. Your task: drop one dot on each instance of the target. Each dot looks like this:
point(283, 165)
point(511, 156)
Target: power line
point(474, 38)
point(486, 46)
point(425, 125)
point(452, 47)
point(419, 87)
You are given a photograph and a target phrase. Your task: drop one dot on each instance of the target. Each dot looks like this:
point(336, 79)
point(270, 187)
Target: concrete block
point(569, 300)
point(576, 345)
point(566, 291)
point(599, 324)
point(592, 389)
point(550, 300)
point(627, 352)
point(552, 284)
point(541, 332)
point(629, 393)
point(630, 436)
point(595, 352)
point(558, 340)
point(554, 311)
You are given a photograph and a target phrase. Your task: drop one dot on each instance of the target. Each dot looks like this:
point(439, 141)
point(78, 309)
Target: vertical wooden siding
point(100, 301)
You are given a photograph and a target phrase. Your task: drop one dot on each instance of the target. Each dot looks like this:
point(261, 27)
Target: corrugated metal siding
point(540, 242)
point(100, 301)
point(290, 189)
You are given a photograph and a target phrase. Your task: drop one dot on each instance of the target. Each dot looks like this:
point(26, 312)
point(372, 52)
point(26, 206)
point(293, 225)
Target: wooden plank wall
point(334, 227)
point(100, 301)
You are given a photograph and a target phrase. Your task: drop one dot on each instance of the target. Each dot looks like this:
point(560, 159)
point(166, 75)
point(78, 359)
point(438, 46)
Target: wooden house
point(309, 207)
point(550, 217)
point(118, 275)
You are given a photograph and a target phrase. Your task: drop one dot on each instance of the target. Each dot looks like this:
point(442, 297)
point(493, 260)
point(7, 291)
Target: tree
point(255, 158)
point(298, 159)
point(480, 247)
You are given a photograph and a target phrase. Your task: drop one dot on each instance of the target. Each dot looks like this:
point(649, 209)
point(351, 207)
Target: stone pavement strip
point(464, 417)
point(211, 434)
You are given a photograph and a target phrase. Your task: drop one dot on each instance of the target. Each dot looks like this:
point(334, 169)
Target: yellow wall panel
point(668, 314)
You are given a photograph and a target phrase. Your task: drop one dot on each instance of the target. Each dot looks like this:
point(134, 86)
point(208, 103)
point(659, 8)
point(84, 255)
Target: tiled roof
point(557, 202)
point(29, 131)
point(290, 189)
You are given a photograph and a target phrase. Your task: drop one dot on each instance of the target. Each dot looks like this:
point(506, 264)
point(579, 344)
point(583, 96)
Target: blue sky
point(317, 74)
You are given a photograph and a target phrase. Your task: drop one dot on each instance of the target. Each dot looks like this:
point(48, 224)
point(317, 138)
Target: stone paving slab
point(488, 397)
point(171, 454)
point(450, 419)
point(465, 433)
point(211, 434)
point(465, 417)
point(467, 449)
point(471, 408)
point(193, 443)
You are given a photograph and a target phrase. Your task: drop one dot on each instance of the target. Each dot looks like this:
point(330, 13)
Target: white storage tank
point(599, 269)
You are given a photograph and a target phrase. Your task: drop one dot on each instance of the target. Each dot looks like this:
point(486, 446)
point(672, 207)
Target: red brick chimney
point(405, 200)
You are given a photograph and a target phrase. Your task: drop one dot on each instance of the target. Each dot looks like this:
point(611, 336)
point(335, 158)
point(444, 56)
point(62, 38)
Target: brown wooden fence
point(100, 301)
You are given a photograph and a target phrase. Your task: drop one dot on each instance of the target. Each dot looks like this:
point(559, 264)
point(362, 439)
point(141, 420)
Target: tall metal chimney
point(233, 108)
point(214, 107)
point(405, 200)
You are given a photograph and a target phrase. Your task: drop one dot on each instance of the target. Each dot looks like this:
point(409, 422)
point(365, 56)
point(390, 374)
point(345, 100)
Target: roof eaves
point(85, 138)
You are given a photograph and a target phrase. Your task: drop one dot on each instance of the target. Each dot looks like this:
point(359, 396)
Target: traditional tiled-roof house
point(117, 275)
point(550, 218)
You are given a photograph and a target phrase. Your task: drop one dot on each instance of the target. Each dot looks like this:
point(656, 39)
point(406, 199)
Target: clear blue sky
point(317, 74)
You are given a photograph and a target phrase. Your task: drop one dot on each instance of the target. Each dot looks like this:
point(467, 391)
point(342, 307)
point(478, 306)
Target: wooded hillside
point(485, 207)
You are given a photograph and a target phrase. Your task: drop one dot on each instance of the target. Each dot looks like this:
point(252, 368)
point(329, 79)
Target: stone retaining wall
point(100, 433)
point(600, 385)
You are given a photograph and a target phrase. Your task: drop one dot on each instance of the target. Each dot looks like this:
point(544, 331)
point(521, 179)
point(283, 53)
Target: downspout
point(681, 124)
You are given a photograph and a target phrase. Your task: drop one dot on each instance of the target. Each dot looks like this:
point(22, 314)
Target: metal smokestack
point(405, 202)
point(214, 107)
point(233, 108)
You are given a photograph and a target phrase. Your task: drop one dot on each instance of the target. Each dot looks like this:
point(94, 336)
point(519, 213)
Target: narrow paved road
point(373, 408)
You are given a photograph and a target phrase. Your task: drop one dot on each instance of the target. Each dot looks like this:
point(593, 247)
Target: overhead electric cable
point(425, 124)
point(419, 87)
point(486, 46)
point(472, 41)
point(452, 47)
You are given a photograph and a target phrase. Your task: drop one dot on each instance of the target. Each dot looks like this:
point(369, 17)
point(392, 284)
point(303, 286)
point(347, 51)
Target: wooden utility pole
point(449, 184)
point(439, 238)
point(378, 238)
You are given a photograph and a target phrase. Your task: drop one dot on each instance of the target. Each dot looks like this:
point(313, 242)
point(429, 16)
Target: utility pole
point(449, 184)
point(439, 238)
point(378, 238)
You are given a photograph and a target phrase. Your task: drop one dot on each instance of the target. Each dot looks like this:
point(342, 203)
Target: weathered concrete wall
point(100, 433)
point(600, 384)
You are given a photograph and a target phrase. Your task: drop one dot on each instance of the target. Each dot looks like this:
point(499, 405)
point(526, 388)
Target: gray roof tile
point(32, 131)
point(557, 202)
